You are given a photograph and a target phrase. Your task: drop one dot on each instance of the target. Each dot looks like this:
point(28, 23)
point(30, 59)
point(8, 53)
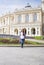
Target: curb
point(23, 46)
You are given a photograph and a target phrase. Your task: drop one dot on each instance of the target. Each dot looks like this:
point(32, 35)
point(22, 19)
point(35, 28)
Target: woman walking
point(22, 38)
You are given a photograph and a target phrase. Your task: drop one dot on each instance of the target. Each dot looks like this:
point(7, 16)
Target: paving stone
point(21, 56)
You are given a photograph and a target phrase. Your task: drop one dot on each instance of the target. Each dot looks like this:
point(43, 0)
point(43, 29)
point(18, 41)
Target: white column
point(35, 31)
point(9, 23)
point(14, 19)
point(8, 20)
point(40, 31)
point(42, 4)
point(30, 32)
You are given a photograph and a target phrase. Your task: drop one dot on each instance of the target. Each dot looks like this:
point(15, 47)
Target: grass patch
point(9, 41)
point(31, 42)
point(2, 44)
point(39, 37)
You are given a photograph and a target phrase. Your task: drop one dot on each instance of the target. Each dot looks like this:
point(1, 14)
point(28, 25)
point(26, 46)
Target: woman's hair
point(23, 32)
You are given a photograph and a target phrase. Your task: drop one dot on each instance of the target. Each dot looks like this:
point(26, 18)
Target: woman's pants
point(22, 42)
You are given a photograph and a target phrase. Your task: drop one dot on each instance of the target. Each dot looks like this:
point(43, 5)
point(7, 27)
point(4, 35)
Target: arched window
point(35, 17)
point(24, 30)
point(16, 31)
point(19, 18)
point(33, 31)
point(27, 18)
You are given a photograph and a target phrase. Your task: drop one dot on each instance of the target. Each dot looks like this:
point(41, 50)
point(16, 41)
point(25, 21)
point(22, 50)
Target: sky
point(11, 5)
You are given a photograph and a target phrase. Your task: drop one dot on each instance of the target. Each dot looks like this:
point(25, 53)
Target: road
point(21, 56)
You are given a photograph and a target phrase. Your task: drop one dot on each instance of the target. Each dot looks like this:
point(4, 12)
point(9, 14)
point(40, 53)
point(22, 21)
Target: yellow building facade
point(28, 19)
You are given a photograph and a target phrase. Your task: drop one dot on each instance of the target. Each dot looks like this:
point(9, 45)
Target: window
point(4, 21)
point(35, 17)
point(16, 31)
point(3, 30)
point(19, 18)
point(27, 18)
point(33, 31)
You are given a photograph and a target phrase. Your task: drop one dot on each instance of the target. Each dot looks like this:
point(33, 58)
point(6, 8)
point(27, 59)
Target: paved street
point(21, 56)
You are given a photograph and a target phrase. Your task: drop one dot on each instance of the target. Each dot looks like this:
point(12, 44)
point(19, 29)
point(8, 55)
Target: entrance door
point(24, 30)
point(33, 31)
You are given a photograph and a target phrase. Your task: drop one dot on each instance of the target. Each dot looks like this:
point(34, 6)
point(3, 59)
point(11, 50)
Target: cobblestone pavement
point(21, 56)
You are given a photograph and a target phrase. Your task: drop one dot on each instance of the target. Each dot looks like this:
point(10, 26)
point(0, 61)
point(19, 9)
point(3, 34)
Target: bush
point(31, 42)
point(15, 41)
point(9, 41)
point(34, 43)
point(27, 42)
point(4, 40)
point(43, 37)
point(39, 37)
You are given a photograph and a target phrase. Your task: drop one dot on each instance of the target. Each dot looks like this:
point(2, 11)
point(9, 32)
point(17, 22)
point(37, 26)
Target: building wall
point(9, 23)
point(42, 3)
point(30, 24)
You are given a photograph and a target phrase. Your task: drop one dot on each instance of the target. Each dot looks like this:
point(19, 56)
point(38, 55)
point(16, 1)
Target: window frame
point(35, 17)
point(19, 18)
point(27, 18)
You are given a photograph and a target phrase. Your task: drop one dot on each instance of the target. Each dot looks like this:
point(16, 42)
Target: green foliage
point(31, 42)
point(9, 41)
point(16, 41)
point(43, 37)
point(39, 37)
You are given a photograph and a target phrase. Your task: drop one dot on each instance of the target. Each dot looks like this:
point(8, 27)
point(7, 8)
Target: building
point(29, 19)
